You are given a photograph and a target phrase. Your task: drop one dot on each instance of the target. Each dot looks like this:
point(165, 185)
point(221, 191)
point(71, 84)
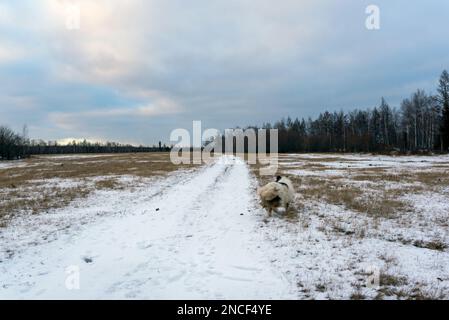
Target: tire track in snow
point(198, 245)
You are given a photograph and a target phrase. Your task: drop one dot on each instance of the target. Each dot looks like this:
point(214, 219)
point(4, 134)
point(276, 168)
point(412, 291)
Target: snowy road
point(196, 238)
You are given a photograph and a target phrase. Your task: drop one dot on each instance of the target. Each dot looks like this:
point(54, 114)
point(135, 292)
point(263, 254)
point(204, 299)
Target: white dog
point(277, 194)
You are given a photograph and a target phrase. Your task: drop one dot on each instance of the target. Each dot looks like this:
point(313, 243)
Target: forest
point(18, 146)
point(419, 125)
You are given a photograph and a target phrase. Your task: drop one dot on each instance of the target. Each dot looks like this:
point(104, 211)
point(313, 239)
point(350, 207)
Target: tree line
point(12, 145)
point(420, 124)
point(42, 147)
point(18, 146)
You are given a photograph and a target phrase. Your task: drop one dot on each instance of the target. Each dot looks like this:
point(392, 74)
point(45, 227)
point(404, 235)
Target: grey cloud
point(228, 62)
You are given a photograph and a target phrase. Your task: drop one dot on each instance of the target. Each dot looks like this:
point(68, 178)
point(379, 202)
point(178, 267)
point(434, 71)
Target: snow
point(201, 234)
point(344, 165)
point(196, 238)
point(367, 161)
point(336, 245)
point(12, 164)
point(315, 258)
point(314, 173)
point(366, 156)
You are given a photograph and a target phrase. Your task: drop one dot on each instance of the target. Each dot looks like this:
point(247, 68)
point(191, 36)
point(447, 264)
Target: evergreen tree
point(443, 99)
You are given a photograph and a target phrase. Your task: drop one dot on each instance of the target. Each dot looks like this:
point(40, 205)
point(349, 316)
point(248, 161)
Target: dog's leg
point(269, 211)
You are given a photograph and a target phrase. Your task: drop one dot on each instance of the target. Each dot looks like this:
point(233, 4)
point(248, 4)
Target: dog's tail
point(269, 192)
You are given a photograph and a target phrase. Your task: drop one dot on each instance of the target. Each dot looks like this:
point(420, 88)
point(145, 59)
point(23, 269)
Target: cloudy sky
point(135, 70)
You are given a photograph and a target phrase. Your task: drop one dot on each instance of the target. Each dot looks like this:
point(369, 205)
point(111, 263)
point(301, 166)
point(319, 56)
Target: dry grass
point(386, 280)
point(378, 203)
point(110, 183)
point(357, 296)
point(47, 167)
point(428, 179)
point(382, 203)
point(432, 245)
point(392, 286)
point(377, 199)
point(29, 189)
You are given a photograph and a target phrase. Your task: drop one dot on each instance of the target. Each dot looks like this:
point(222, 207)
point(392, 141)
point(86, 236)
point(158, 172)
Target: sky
point(132, 71)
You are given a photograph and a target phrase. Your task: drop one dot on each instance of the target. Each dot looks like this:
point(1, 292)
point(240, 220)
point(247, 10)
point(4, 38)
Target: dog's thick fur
point(278, 194)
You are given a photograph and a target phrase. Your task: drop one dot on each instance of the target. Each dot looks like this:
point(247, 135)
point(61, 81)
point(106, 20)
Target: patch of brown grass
point(24, 189)
point(418, 293)
point(47, 167)
point(380, 176)
point(414, 293)
point(429, 179)
point(45, 200)
point(381, 203)
point(357, 296)
point(380, 206)
point(107, 184)
point(334, 191)
point(313, 165)
point(386, 279)
point(377, 199)
point(432, 245)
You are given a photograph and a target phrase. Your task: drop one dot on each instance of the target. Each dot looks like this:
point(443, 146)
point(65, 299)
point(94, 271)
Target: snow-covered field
point(362, 227)
point(362, 218)
point(187, 236)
